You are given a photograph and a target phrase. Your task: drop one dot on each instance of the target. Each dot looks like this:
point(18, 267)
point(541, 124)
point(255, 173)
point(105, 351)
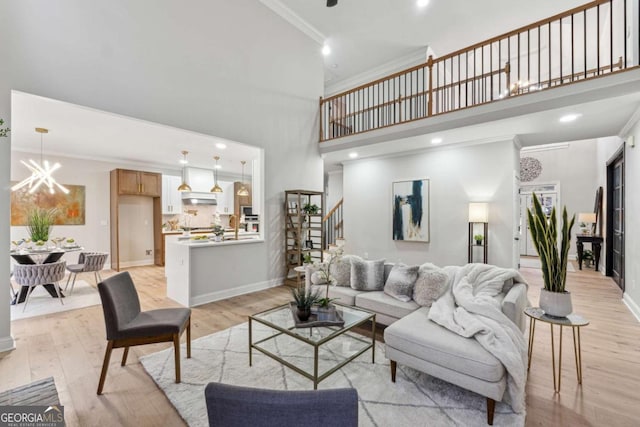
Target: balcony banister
point(536, 24)
point(571, 46)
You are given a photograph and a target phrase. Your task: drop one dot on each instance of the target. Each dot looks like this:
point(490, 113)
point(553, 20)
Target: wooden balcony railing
point(582, 43)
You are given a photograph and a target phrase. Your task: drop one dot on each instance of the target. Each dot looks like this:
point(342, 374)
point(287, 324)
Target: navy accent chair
point(235, 406)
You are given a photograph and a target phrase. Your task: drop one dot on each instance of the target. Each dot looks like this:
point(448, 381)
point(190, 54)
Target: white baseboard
point(631, 305)
point(136, 263)
point(7, 344)
point(241, 290)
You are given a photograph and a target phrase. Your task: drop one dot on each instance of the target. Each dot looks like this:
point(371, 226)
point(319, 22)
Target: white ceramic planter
point(557, 304)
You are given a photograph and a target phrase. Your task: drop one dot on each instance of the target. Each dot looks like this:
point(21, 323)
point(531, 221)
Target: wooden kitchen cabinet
point(135, 183)
point(139, 183)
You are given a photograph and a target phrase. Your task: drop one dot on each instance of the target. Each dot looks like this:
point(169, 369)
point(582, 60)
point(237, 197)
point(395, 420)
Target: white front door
point(548, 200)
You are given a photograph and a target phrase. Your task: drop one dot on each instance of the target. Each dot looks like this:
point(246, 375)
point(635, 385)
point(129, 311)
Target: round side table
point(575, 322)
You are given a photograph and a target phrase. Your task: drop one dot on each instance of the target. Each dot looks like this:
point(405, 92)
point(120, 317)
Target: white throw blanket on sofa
point(470, 310)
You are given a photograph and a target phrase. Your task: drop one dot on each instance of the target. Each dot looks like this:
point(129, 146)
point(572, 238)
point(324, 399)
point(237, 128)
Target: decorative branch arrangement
point(3, 131)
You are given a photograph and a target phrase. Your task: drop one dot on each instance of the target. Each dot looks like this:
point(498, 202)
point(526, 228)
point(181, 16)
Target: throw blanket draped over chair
point(469, 309)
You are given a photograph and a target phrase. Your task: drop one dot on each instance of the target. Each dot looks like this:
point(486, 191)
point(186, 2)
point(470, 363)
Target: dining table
point(40, 255)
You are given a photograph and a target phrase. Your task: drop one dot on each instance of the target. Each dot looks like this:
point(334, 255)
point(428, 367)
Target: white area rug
point(535, 263)
point(41, 303)
point(416, 399)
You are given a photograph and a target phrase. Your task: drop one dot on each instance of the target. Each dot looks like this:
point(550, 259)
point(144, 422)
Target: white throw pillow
point(400, 282)
point(430, 284)
point(367, 275)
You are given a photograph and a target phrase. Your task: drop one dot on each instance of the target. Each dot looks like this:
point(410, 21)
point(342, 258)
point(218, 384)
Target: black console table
point(596, 244)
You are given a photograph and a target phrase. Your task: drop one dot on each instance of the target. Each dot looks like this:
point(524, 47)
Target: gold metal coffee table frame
point(337, 331)
point(575, 322)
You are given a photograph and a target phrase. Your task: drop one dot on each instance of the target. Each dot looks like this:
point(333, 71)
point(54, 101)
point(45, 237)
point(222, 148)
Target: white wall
point(632, 223)
point(333, 188)
point(229, 69)
point(574, 168)
point(458, 175)
point(135, 230)
point(6, 341)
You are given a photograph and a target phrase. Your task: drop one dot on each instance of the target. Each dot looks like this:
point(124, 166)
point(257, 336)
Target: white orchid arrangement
point(324, 269)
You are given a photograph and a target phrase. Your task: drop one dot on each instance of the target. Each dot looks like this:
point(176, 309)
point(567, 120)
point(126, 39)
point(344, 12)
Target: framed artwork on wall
point(70, 208)
point(411, 210)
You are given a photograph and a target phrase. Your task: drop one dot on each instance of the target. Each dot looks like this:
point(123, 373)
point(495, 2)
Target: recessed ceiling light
point(422, 3)
point(569, 118)
point(326, 50)
point(221, 146)
point(436, 140)
point(353, 155)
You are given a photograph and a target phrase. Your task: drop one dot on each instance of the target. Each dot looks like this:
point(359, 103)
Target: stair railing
point(333, 225)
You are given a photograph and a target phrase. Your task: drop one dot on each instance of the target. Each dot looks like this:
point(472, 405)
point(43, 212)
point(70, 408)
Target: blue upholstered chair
point(234, 406)
point(127, 326)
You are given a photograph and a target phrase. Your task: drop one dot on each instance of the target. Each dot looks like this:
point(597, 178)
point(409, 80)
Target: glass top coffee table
point(313, 352)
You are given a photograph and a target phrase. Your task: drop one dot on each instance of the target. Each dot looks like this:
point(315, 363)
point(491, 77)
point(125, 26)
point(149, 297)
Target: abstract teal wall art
point(411, 210)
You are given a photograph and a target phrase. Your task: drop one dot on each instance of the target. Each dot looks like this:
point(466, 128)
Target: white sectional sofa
point(413, 340)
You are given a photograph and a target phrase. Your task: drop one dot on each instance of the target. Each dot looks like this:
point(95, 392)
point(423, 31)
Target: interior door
point(616, 212)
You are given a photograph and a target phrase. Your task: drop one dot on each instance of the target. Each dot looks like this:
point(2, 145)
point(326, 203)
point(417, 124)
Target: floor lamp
point(479, 214)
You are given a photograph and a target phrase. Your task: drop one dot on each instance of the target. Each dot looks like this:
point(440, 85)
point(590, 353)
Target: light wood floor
point(70, 346)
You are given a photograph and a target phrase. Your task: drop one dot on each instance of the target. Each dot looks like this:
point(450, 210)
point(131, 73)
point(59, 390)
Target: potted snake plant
point(554, 299)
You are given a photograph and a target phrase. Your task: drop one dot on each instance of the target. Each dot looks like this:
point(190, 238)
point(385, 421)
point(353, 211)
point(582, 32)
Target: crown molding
point(291, 17)
point(545, 147)
point(418, 56)
point(626, 129)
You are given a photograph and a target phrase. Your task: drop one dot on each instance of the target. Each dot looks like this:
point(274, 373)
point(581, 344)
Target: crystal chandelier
point(41, 173)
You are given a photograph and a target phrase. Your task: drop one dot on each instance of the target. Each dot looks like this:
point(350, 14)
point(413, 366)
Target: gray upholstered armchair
point(87, 261)
point(234, 406)
point(127, 326)
point(32, 275)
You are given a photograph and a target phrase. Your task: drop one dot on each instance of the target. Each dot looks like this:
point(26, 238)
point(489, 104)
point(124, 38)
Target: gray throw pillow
point(367, 275)
point(400, 282)
point(341, 270)
point(430, 285)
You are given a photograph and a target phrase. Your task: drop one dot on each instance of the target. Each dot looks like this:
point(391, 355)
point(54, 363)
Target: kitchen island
point(202, 272)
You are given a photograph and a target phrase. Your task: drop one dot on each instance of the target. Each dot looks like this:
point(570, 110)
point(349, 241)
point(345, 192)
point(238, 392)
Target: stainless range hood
point(198, 198)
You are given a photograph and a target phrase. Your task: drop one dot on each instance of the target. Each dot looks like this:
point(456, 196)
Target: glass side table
point(575, 322)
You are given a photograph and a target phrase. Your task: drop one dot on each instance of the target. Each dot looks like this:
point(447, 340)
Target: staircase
point(333, 225)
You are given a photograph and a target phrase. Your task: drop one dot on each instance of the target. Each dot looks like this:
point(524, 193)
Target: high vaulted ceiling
point(363, 34)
